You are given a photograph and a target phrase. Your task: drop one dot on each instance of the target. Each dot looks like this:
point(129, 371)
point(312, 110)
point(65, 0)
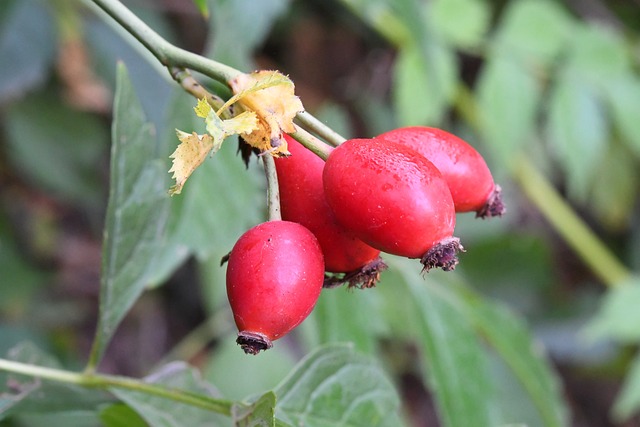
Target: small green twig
point(312, 143)
point(273, 192)
point(316, 126)
point(572, 229)
point(106, 382)
point(169, 55)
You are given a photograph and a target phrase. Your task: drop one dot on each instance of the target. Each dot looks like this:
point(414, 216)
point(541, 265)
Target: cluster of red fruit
point(397, 193)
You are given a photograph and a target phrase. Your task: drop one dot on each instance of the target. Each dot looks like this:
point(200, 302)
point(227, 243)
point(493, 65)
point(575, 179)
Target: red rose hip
point(302, 200)
point(467, 174)
point(394, 199)
point(275, 273)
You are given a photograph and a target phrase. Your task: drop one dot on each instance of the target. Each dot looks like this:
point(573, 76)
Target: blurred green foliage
point(499, 341)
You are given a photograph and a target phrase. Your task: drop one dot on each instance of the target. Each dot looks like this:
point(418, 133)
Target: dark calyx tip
point(365, 277)
point(443, 255)
point(253, 342)
point(494, 205)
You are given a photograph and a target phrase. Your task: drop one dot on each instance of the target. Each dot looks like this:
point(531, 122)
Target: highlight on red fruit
point(275, 273)
point(465, 170)
point(302, 200)
point(394, 199)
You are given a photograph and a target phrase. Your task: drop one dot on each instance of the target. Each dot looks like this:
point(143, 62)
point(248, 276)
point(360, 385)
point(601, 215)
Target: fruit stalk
point(273, 192)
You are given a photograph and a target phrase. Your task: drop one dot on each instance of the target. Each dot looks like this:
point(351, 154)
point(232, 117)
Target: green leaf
point(335, 386)
point(456, 366)
point(202, 7)
point(380, 15)
point(462, 23)
point(136, 214)
point(627, 403)
point(623, 95)
point(238, 375)
point(508, 98)
point(27, 47)
point(199, 223)
point(509, 337)
point(423, 84)
point(342, 315)
point(120, 415)
point(520, 32)
point(29, 395)
point(613, 194)
point(618, 317)
point(598, 55)
point(57, 148)
point(260, 413)
point(578, 132)
point(163, 412)
point(239, 26)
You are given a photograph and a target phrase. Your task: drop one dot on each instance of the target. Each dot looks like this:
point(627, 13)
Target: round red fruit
point(275, 273)
point(394, 199)
point(467, 174)
point(302, 200)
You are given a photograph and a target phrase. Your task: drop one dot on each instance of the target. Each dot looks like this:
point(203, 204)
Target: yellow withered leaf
point(270, 95)
point(194, 148)
point(190, 154)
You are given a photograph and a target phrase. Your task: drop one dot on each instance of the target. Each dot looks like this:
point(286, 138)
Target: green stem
point(569, 225)
point(168, 54)
point(312, 143)
point(179, 60)
point(316, 126)
point(110, 381)
point(273, 192)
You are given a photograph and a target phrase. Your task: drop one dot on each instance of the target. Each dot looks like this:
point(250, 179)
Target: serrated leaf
point(509, 337)
point(336, 386)
point(163, 412)
point(508, 98)
point(462, 22)
point(456, 366)
point(618, 316)
point(202, 108)
point(224, 217)
point(578, 132)
point(194, 148)
point(190, 154)
point(241, 124)
point(260, 413)
point(423, 92)
point(271, 96)
point(519, 31)
point(136, 215)
point(598, 55)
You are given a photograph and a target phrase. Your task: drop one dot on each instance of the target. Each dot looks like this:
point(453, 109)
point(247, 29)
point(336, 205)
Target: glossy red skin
point(302, 200)
point(275, 274)
point(464, 169)
point(389, 195)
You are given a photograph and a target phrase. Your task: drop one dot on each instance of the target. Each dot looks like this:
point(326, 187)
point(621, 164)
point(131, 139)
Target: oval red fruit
point(394, 199)
point(275, 273)
point(467, 174)
point(302, 200)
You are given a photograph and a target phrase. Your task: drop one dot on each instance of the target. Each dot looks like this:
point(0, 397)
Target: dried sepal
point(270, 95)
